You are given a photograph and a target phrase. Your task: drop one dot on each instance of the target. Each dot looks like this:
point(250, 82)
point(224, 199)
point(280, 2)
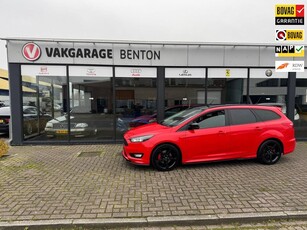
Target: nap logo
point(289, 35)
point(289, 51)
point(31, 51)
point(289, 66)
point(289, 14)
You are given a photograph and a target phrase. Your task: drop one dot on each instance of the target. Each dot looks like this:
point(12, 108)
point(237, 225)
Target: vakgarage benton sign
point(115, 54)
point(32, 52)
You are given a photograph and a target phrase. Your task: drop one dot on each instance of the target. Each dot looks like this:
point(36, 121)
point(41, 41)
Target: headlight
point(81, 125)
point(49, 125)
point(141, 138)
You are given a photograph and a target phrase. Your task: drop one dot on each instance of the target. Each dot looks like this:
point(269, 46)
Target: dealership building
point(77, 91)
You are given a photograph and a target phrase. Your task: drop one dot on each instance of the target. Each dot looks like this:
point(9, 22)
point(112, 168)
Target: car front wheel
point(165, 157)
point(269, 152)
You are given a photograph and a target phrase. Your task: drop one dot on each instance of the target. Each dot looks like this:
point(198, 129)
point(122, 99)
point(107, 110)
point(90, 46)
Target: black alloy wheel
point(165, 157)
point(269, 152)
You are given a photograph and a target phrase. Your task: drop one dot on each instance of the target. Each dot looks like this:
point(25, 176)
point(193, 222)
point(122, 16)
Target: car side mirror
point(193, 126)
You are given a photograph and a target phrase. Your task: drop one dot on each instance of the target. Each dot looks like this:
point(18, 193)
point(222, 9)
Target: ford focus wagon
point(204, 134)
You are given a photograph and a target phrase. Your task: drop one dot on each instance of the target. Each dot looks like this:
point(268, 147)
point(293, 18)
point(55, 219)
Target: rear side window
point(266, 115)
point(242, 116)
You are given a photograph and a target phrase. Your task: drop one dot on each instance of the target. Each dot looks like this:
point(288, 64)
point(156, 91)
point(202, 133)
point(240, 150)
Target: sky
point(229, 21)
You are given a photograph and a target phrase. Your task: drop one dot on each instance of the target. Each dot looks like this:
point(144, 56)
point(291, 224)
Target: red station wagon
point(211, 134)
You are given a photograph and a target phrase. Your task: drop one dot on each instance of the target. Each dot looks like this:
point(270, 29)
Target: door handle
point(258, 128)
point(221, 132)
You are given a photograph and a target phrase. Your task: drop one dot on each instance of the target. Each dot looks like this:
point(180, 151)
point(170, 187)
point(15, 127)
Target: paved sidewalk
point(56, 185)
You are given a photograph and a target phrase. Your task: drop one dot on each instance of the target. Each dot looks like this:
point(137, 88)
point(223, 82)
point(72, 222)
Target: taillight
point(7, 120)
point(290, 123)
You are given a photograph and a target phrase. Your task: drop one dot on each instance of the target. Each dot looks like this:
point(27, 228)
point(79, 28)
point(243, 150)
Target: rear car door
point(244, 132)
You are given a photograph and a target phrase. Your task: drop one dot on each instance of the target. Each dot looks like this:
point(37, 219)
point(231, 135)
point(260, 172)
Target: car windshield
point(182, 116)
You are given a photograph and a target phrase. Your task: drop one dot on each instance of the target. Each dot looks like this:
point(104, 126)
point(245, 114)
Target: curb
point(112, 223)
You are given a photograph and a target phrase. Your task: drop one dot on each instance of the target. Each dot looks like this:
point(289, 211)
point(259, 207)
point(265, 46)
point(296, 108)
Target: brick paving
point(55, 183)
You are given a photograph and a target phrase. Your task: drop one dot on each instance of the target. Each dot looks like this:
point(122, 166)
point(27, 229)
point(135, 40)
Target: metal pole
point(291, 95)
point(160, 93)
point(16, 121)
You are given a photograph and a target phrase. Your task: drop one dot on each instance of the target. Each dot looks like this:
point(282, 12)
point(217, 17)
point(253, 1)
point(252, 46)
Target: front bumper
point(130, 148)
point(73, 132)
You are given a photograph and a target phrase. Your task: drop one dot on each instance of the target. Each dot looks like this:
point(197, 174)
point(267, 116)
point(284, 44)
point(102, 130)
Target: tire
point(269, 152)
point(165, 157)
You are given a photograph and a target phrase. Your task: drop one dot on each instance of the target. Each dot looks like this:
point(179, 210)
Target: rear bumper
point(289, 146)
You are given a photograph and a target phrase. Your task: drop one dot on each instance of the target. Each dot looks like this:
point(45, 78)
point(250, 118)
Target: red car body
point(267, 137)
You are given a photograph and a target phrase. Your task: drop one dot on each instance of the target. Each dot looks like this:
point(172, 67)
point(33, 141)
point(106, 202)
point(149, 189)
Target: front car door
point(210, 141)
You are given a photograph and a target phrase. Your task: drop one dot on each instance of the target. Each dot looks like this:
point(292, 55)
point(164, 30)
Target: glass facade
point(95, 103)
point(300, 124)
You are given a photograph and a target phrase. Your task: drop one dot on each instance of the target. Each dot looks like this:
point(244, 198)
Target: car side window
point(266, 115)
point(211, 120)
point(242, 116)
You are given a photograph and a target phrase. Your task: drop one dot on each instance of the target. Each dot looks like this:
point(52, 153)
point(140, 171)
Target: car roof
point(240, 106)
point(29, 107)
point(272, 104)
point(6, 110)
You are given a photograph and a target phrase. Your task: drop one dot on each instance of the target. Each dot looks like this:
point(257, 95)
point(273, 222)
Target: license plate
point(62, 131)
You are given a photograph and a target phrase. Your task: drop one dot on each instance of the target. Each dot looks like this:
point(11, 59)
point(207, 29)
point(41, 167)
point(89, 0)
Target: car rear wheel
point(269, 152)
point(165, 157)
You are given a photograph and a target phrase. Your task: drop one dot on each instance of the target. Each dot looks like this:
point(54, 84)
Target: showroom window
point(43, 90)
point(226, 85)
point(267, 86)
point(184, 86)
point(91, 103)
point(135, 96)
